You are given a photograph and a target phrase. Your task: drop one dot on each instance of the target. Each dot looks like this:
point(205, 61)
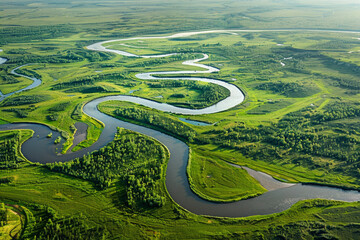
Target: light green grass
point(257, 63)
point(13, 226)
point(287, 172)
point(214, 180)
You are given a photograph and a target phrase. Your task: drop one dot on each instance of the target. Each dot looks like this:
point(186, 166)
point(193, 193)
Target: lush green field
point(49, 199)
point(11, 222)
point(213, 180)
point(298, 123)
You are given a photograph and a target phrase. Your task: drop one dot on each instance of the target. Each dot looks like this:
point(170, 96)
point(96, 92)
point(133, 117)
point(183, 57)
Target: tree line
point(8, 151)
point(28, 72)
point(24, 100)
point(133, 158)
point(289, 89)
point(174, 127)
point(44, 223)
point(28, 33)
point(209, 93)
point(90, 80)
point(158, 61)
point(301, 137)
point(3, 215)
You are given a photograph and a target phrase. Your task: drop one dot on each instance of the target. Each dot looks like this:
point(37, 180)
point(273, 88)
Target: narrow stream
point(36, 81)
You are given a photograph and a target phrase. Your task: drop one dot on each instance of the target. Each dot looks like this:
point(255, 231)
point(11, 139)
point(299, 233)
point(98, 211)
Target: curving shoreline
point(36, 82)
point(276, 200)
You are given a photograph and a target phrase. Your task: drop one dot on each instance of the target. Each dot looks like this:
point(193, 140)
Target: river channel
point(279, 197)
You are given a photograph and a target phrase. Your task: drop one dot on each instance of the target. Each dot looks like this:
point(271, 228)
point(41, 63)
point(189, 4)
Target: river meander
point(36, 81)
point(279, 197)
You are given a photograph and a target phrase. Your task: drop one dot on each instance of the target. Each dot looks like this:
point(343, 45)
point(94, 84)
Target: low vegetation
point(215, 181)
point(299, 121)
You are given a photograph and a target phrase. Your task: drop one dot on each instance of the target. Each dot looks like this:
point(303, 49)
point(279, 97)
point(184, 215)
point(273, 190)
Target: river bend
point(279, 197)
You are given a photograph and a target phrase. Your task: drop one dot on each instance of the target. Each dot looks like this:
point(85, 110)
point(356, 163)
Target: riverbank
point(188, 199)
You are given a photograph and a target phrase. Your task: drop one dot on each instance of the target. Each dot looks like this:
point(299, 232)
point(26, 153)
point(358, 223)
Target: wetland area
point(141, 131)
point(279, 198)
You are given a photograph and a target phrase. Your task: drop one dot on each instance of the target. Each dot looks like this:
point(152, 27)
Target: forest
point(24, 100)
point(89, 80)
point(172, 126)
point(9, 159)
point(301, 137)
point(135, 159)
point(27, 33)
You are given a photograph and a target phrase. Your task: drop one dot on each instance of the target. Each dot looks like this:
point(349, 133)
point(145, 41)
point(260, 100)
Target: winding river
point(280, 196)
point(36, 81)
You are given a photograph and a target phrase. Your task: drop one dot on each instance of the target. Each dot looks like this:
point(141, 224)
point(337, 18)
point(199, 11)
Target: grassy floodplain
point(60, 198)
point(298, 123)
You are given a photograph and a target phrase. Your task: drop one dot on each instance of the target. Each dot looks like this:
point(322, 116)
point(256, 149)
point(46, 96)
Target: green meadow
point(298, 122)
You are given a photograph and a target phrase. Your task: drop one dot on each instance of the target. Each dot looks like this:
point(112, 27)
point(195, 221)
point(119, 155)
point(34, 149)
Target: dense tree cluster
point(24, 100)
point(71, 228)
point(335, 111)
point(44, 223)
point(177, 95)
point(171, 84)
point(158, 61)
point(52, 117)
point(210, 93)
point(301, 136)
point(141, 184)
point(29, 73)
point(335, 44)
point(68, 56)
point(17, 51)
point(91, 89)
point(346, 82)
point(349, 83)
point(28, 33)
point(175, 127)
point(59, 107)
point(349, 80)
point(92, 56)
point(20, 112)
point(32, 58)
point(90, 80)
point(7, 79)
point(134, 158)
point(3, 215)
point(289, 89)
point(8, 150)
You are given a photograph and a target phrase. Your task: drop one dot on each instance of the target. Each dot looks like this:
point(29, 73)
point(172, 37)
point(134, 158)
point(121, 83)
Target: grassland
point(67, 196)
point(318, 70)
point(12, 229)
point(308, 75)
point(215, 181)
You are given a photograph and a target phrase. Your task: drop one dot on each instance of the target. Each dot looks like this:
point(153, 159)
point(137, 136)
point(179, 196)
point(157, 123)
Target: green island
point(298, 122)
